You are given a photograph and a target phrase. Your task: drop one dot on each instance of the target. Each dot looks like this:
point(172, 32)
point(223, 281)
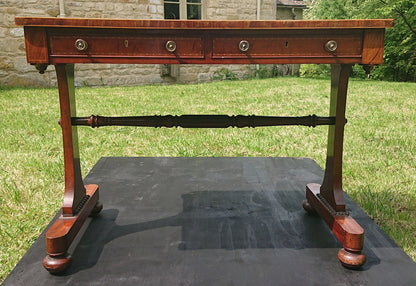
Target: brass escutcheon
point(244, 46)
point(331, 46)
point(81, 45)
point(171, 46)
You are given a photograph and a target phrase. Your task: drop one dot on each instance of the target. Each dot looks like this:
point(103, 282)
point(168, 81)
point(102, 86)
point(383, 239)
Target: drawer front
point(287, 46)
point(204, 46)
point(99, 46)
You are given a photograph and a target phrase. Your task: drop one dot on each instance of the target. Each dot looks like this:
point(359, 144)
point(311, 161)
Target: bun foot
point(351, 260)
point(96, 210)
point(308, 208)
point(57, 264)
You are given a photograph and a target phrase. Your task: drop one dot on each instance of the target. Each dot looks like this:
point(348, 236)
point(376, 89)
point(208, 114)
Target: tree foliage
point(400, 43)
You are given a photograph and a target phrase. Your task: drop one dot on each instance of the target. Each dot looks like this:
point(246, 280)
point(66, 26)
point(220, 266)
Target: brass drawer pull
point(81, 45)
point(331, 46)
point(170, 46)
point(244, 46)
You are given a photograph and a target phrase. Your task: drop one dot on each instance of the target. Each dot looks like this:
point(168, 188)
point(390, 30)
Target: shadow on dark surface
point(213, 221)
point(221, 220)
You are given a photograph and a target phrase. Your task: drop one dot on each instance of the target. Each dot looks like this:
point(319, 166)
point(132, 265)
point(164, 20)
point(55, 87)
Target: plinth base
point(344, 227)
point(63, 231)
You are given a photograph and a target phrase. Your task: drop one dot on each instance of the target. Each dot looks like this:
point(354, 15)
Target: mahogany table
point(64, 42)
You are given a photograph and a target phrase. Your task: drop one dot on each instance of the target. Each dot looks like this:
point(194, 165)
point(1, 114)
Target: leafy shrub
point(224, 74)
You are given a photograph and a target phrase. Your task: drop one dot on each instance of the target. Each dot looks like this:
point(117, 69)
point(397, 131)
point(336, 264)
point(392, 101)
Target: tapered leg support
point(344, 227)
point(328, 199)
point(79, 201)
point(63, 231)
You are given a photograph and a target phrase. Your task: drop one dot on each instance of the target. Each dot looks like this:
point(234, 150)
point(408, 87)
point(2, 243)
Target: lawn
point(379, 153)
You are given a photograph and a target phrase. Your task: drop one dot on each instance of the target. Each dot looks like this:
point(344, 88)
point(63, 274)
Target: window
point(193, 9)
point(172, 9)
point(183, 9)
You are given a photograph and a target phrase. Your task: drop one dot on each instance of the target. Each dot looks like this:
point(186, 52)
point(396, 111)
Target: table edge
point(203, 24)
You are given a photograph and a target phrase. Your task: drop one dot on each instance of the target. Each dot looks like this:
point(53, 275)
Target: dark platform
point(213, 221)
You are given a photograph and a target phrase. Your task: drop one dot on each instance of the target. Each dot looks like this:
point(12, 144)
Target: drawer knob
point(170, 46)
point(244, 46)
point(81, 45)
point(331, 46)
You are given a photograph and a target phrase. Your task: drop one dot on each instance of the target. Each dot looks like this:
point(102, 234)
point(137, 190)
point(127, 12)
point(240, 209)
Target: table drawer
point(136, 46)
point(287, 45)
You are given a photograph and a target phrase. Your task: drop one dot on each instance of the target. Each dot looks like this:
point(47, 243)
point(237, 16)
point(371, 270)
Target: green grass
point(379, 157)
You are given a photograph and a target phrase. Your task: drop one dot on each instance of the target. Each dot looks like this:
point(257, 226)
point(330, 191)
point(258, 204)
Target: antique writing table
point(64, 41)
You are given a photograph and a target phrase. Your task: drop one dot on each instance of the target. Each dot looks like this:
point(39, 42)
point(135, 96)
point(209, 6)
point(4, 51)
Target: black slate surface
point(213, 221)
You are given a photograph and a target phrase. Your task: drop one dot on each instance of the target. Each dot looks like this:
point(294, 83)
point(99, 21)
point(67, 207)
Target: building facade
point(14, 70)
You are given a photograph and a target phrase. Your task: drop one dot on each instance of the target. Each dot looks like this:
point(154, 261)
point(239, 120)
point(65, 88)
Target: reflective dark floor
point(213, 221)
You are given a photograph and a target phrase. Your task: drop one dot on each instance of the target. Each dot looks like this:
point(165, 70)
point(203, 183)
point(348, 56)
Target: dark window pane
point(194, 1)
point(194, 11)
point(172, 11)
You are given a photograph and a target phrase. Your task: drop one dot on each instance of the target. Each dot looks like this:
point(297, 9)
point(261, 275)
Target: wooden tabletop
point(201, 24)
point(53, 41)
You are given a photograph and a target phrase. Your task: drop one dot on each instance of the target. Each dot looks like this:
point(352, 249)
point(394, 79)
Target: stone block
point(25, 80)
point(53, 12)
point(152, 9)
point(6, 63)
point(17, 32)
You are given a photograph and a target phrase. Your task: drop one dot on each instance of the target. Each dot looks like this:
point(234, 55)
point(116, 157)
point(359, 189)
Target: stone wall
point(240, 10)
point(14, 69)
